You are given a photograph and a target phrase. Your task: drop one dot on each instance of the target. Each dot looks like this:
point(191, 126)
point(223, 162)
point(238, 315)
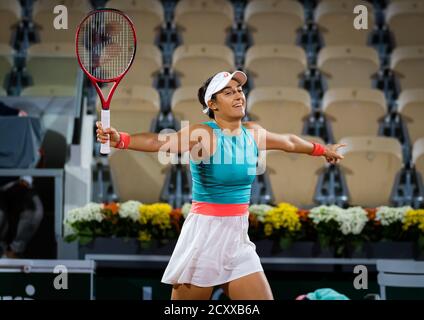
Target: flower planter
point(264, 247)
point(270, 248)
point(392, 250)
point(125, 246)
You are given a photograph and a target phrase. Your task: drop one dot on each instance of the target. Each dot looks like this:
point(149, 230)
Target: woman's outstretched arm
point(267, 140)
point(175, 142)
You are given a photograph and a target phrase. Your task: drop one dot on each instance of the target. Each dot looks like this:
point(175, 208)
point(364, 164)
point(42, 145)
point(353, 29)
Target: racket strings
point(106, 44)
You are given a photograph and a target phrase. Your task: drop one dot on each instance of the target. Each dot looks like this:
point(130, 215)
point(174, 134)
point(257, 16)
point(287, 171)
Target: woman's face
point(230, 102)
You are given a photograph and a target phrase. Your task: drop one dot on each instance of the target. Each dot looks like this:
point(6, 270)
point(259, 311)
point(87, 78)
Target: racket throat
point(105, 101)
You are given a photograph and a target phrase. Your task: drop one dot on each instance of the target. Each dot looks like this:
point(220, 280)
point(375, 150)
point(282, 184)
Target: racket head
point(105, 45)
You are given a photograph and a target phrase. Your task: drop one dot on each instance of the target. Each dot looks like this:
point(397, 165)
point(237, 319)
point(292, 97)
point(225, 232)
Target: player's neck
point(233, 126)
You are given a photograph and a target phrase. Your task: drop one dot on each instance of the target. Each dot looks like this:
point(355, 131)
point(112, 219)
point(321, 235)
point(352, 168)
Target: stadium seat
point(5, 61)
point(137, 175)
point(147, 16)
point(294, 176)
point(411, 107)
point(399, 273)
point(186, 106)
point(370, 166)
point(405, 18)
point(52, 64)
point(9, 17)
point(335, 22)
point(418, 156)
point(348, 66)
point(49, 91)
point(354, 112)
point(43, 17)
point(408, 64)
point(147, 64)
point(191, 17)
point(279, 109)
point(195, 63)
point(275, 65)
point(273, 22)
point(133, 108)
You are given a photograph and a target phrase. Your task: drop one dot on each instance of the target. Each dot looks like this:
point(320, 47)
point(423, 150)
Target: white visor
point(219, 81)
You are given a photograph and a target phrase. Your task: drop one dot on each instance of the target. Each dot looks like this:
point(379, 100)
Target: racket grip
point(105, 119)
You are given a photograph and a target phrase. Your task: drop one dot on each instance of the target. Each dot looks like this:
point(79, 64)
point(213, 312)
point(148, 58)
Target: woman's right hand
point(104, 134)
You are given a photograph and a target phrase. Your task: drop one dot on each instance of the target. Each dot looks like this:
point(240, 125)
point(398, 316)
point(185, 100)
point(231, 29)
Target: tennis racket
point(105, 48)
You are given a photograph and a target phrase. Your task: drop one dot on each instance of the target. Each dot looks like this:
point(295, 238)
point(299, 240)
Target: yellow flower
point(268, 229)
point(412, 218)
point(144, 236)
point(158, 214)
point(283, 216)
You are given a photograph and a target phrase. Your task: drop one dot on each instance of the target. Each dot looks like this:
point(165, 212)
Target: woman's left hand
point(331, 154)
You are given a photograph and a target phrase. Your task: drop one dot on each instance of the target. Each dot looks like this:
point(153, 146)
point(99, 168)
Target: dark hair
point(201, 96)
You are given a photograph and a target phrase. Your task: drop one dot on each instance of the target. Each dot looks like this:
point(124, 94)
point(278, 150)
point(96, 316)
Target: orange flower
point(253, 221)
point(303, 214)
point(175, 216)
point(113, 207)
point(372, 212)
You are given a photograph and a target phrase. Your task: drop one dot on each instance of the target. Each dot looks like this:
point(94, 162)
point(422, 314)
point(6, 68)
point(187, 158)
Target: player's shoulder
point(201, 125)
point(252, 125)
point(197, 126)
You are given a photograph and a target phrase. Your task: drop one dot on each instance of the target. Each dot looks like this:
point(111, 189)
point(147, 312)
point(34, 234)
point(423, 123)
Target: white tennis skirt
point(212, 250)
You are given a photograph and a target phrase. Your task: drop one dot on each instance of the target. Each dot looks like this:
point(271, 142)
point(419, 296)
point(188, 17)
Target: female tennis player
point(214, 248)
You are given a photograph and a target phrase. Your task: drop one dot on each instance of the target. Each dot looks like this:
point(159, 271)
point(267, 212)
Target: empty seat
point(274, 22)
point(399, 273)
point(9, 17)
point(408, 64)
point(186, 106)
point(370, 166)
point(43, 16)
point(294, 176)
point(133, 108)
point(50, 63)
point(137, 175)
point(411, 107)
point(279, 109)
point(275, 65)
point(193, 16)
point(418, 156)
point(49, 91)
point(406, 19)
point(348, 66)
point(147, 16)
point(335, 22)
point(147, 64)
point(5, 61)
point(354, 112)
point(195, 63)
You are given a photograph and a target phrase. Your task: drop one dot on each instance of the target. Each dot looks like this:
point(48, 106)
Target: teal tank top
point(226, 177)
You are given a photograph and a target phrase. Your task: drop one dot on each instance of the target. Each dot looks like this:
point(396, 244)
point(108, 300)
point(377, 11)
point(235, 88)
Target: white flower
point(260, 211)
point(324, 213)
point(350, 221)
point(185, 210)
point(90, 212)
point(388, 215)
point(130, 209)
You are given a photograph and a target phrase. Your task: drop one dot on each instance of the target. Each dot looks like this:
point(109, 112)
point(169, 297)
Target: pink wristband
point(124, 140)
point(319, 150)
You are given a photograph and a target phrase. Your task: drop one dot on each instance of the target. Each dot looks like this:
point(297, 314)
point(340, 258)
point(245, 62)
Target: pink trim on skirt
point(219, 209)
